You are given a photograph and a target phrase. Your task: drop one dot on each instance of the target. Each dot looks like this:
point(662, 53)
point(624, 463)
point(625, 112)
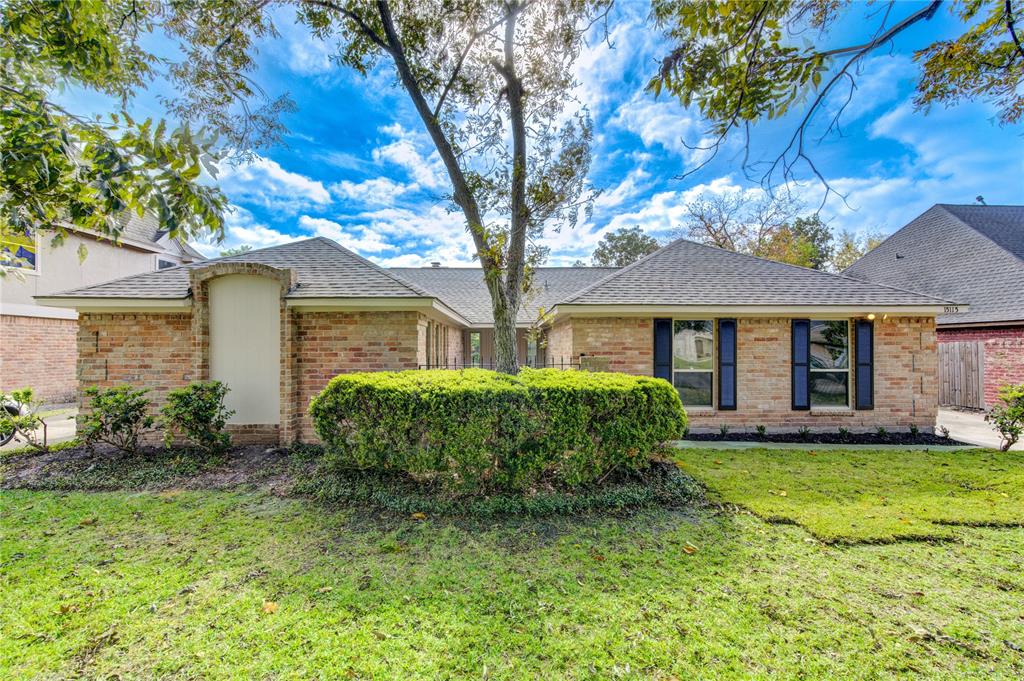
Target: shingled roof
point(971, 254)
point(324, 269)
point(689, 273)
point(463, 288)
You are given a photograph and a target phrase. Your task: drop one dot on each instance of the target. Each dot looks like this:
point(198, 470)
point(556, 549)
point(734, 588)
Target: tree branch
point(1010, 26)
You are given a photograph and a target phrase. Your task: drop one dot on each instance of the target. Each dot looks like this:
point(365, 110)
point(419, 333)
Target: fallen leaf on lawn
point(598, 557)
point(689, 549)
point(783, 493)
point(718, 461)
point(325, 589)
point(1004, 494)
point(89, 521)
point(418, 515)
point(269, 607)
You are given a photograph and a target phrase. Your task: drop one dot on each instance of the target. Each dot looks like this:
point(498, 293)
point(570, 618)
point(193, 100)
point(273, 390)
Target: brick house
point(37, 342)
point(746, 341)
point(972, 254)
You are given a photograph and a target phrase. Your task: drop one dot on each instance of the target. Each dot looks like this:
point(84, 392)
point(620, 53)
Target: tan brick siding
point(906, 387)
point(38, 353)
point(330, 343)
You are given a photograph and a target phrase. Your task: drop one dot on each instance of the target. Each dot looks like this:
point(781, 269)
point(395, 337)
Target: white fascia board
point(804, 311)
point(376, 303)
point(21, 310)
point(112, 305)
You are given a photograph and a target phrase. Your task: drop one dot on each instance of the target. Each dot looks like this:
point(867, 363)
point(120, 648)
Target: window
point(830, 363)
point(162, 264)
point(19, 249)
point(531, 350)
point(474, 348)
point(693, 361)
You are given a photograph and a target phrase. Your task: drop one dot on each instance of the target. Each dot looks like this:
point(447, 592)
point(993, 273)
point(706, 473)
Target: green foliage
point(852, 247)
point(1008, 416)
point(117, 416)
point(882, 432)
point(237, 250)
point(59, 168)
point(477, 430)
point(197, 413)
point(623, 247)
point(761, 431)
point(914, 430)
point(844, 432)
point(740, 62)
point(56, 447)
point(723, 429)
point(26, 422)
point(804, 432)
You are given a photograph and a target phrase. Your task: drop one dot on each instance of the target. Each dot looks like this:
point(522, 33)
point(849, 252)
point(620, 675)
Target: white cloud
point(662, 123)
point(369, 241)
point(375, 191)
point(264, 182)
point(242, 228)
point(427, 171)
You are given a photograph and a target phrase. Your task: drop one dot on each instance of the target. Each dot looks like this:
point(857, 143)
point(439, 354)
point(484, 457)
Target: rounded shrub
point(476, 430)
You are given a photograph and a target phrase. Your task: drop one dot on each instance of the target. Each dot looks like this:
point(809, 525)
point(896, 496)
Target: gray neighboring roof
point(324, 269)
point(689, 273)
point(464, 290)
point(971, 254)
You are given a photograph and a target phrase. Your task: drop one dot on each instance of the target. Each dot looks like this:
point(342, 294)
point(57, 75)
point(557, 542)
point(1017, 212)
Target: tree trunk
point(506, 355)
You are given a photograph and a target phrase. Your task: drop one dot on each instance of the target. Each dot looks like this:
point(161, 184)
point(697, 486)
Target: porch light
point(871, 316)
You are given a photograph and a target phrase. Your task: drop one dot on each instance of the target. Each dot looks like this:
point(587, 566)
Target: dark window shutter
point(865, 364)
point(663, 349)
point(801, 364)
point(727, 364)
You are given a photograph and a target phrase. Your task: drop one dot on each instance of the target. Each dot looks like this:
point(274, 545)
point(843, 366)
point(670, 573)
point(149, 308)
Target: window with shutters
point(693, 361)
point(830, 363)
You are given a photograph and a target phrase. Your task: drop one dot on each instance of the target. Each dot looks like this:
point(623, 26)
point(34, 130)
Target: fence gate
point(962, 375)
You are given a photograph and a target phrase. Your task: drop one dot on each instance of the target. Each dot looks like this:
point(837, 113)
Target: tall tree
point(853, 247)
point(623, 247)
point(761, 224)
point(742, 61)
point(488, 79)
point(61, 169)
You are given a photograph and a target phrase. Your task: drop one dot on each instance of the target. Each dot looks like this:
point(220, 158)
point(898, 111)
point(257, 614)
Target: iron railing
point(563, 363)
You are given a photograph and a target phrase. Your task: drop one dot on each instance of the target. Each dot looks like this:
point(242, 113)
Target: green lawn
point(146, 584)
point(868, 496)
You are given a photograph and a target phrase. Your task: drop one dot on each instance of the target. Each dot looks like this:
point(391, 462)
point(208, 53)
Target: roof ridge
point(374, 266)
point(977, 231)
point(681, 240)
point(611, 275)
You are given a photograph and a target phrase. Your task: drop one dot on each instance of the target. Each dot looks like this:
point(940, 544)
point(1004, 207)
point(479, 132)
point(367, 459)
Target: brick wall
point(559, 342)
point(906, 384)
point(326, 344)
point(38, 353)
point(144, 350)
point(1004, 355)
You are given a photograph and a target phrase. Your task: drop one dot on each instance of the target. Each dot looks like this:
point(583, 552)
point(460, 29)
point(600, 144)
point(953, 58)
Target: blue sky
point(357, 167)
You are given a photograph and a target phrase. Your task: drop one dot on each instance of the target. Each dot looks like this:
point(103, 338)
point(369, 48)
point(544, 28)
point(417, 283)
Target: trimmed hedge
point(476, 430)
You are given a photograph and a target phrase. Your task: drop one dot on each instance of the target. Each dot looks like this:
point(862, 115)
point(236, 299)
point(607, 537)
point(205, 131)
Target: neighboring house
point(746, 341)
point(37, 342)
point(971, 254)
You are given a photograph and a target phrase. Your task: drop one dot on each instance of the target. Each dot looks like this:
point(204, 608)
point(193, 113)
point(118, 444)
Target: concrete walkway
point(60, 426)
point(968, 426)
point(808, 446)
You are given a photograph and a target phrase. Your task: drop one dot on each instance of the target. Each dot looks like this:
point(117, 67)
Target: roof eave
point(808, 311)
point(112, 305)
point(376, 303)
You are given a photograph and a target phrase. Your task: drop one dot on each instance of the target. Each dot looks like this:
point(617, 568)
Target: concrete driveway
point(60, 426)
point(970, 427)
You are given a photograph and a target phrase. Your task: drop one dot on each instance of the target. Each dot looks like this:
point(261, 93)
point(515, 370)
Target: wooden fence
point(962, 375)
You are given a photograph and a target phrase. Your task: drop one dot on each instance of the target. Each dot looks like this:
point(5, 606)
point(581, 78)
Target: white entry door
point(245, 345)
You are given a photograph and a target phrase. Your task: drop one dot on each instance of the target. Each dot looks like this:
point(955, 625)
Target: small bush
point(944, 432)
point(804, 433)
point(882, 432)
point(761, 432)
point(1008, 416)
point(723, 429)
point(914, 430)
point(198, 414)
point(25, 422)
point(844, 432)
point(476, 430)
point(118, 417)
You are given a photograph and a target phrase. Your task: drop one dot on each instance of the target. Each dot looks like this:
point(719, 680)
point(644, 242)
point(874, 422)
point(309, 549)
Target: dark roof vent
point(435, 264)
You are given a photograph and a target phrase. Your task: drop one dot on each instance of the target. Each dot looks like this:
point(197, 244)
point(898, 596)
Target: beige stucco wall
point(245, 345)
point(59, 270)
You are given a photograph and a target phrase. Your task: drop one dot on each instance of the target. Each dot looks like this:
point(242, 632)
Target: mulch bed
point(832, 438)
